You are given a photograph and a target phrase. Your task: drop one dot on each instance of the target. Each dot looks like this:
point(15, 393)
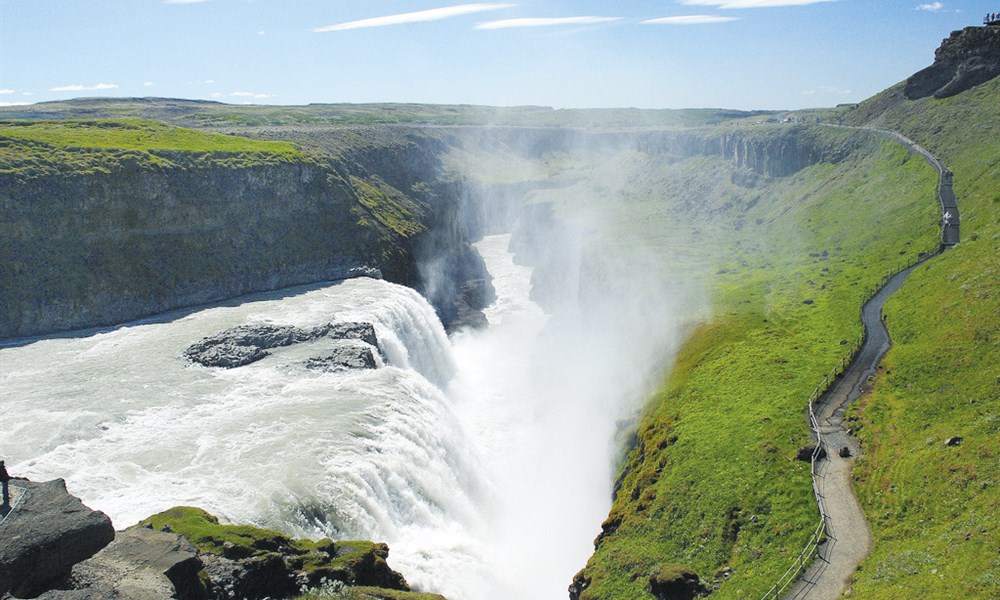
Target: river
point(482, 460)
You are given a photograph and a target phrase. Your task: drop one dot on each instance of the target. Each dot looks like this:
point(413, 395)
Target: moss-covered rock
point(244, 561)
point(675, 582)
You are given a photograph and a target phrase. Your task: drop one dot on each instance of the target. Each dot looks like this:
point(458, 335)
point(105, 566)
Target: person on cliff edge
point(4, 479)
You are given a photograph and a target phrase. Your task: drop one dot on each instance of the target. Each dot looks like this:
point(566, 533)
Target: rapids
point(483, 460)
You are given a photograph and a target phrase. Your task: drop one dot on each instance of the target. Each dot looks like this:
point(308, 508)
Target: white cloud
point(544, 22)
point(751, 3)
point(932, 6)
point(147, 84)
point(84, 88)
point(690, 20)
point(184, 1)
point(251, 95)
point(261, 32)
point(434, 14)
point(14, 103)
point(209, 81)
point(7, 91)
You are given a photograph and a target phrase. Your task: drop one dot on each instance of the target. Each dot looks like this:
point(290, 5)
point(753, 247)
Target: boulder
point(246, 344)
point(953, 441)
point(242, 561)
point(263, 576)
point(344, 357)
point(805, 453)
point(228, 355)
point(143, 564)
point(347, 331)
point(47, 533)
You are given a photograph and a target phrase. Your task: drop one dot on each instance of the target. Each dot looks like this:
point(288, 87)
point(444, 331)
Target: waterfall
point(135, 428)
point(484, 461)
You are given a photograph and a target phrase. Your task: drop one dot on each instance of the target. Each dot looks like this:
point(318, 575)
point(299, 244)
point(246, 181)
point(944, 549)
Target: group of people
point(990, 18)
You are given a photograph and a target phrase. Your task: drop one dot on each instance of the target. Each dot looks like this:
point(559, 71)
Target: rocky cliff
point(54, 547)
point(136, 235)
point(47, 532)
point(99, 237)
point(965, 59)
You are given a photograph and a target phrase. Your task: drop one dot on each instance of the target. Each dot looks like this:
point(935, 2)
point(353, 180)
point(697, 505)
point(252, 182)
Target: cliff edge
point(965, 59)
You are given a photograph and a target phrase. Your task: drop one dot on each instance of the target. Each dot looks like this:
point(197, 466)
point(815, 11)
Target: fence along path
point(842, 538)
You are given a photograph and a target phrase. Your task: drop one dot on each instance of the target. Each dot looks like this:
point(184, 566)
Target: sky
point(741, 54)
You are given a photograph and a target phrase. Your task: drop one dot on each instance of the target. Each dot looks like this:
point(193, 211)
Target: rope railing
point(805, 557)
point(810, 549)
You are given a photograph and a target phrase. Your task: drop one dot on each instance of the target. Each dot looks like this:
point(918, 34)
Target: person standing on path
point(4, 482)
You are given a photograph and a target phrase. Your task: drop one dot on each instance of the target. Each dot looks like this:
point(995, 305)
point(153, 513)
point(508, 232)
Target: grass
point(227, 116)
point(932, 507)
point(364, 593)
point(322, 561)
point(60, 147)
point(389, 206)
point(710, 481)
point(316, 559)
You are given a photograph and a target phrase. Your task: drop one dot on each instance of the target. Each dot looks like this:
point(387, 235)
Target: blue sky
point(746, 54)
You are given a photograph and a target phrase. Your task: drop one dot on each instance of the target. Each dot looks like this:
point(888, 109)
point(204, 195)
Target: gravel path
point(849, 538)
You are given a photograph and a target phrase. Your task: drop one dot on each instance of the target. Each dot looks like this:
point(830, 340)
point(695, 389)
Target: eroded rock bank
point(102, 237)
point(123, 235)
point(54, 547)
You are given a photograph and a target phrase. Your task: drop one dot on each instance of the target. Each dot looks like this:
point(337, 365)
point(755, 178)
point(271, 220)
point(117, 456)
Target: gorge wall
point(133, 238)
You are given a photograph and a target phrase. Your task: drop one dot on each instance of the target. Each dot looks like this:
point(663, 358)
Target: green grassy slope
point(933, 508)
point(218, 115)
point(711, 481)
point(37, 148)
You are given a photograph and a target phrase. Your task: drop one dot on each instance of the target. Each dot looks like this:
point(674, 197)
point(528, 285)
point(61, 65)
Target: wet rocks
point(347, 356)
point(246, 344)
point(48, 533)
point(249, 563)
point(143, 564)
point(251, 578)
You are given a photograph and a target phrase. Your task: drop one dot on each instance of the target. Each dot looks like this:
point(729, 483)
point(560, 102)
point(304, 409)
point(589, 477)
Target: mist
point(577, 341)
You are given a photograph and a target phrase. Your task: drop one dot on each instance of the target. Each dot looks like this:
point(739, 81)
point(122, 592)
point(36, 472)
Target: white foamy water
point(134, 428)
point(484, 461)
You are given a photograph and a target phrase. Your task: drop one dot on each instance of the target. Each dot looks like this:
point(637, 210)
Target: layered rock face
point(100, 249)
point(55, 548)
point(965, 59)
point(130, 239)
point(133, 240)
point(142, 564)
point(46, 534)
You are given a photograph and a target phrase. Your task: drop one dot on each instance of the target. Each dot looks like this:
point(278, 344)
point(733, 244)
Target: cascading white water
point(134, 428)
point(483, 461)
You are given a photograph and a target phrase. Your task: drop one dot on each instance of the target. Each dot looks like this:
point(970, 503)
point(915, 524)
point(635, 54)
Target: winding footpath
point(848, 536)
